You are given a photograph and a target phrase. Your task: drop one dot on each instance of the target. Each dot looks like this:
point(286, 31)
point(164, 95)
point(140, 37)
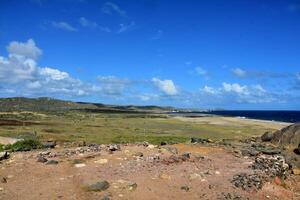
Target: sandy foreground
point(136, 172)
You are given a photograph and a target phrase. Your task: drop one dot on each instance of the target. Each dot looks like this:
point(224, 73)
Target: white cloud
point(54, 74)
point(113, 85)
point(34, 85)
point(166, 86)
point(90, 24)
point(126, 27)
point(20, 73)
point(236, 88)
point(17, 68)
point(64, 26)
point(209, 90)
point(239, 72)
point(27, 49)
point(109, 8)
point(200, 71)
point(87, 23)
point(236, 93)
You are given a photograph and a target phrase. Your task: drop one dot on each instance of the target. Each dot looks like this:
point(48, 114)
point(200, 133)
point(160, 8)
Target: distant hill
point(51, 104)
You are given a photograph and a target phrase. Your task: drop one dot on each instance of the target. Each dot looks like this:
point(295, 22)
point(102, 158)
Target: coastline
point(232, 121)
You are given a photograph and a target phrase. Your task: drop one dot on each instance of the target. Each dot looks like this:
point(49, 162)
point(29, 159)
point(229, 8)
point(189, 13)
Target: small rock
point(186, 155)
point(105, 198)
point(41, 159)
point(163, 143)
point(4, 155)
point(52, 162)
point(185, 188)
point(132, 186)
point(138, 154)
point(3, 180)
point(151, 146)
point(277, 180)
point(98, 187)
point(164, 176)
point(145, 144)
point(195, 176)
point(114, 147)
point(49, 144)
point(200, 140)
point(217, 173)
point(79, 165)
point(102, 161)
point(296, 171)
point(171, 149)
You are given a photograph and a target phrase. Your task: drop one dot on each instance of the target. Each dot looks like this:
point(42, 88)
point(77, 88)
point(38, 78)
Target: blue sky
point(196, 54)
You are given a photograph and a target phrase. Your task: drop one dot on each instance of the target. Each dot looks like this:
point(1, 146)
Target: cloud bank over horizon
point(21, 75)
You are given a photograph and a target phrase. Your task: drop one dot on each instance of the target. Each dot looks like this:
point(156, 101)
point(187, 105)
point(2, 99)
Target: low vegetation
point(79, 125)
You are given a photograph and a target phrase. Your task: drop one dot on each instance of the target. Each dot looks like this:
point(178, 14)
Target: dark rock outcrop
point(267, 137)
point(289, 135)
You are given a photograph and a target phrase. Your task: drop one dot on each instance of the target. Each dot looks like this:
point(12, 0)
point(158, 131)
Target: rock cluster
point(200, 140)
point(70, 152)
point(248, 181)
point(271, 166)
point(265, 168)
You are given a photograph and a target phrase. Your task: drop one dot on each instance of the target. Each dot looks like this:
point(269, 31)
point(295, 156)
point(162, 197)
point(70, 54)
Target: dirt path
point(155, 175)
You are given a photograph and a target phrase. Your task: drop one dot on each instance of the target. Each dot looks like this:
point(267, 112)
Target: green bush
point(24, 145)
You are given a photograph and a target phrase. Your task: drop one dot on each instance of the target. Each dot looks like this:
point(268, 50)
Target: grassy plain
point(124, 127)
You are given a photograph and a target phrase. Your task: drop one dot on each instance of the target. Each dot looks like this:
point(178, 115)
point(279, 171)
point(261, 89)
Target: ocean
point(272, 115)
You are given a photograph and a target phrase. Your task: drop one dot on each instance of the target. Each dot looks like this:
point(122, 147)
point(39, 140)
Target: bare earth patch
point(136, 172)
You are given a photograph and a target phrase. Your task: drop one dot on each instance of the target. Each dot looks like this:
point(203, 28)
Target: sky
point(204, 54)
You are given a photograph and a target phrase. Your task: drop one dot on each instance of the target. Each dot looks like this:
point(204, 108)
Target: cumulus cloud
point(110, 8)
point(165, 86)
point(234, 92)
point(209, 90)
point(239, 72)
point(27, 49)
point(236, 88)
point(64, 26)
point(20, 73)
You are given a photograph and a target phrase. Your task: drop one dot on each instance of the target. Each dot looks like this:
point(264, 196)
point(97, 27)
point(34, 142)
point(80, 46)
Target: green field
point(115, 127)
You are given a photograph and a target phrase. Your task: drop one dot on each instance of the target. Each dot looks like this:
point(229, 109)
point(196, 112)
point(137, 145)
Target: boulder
point(49, 144)
point(114, 147)
point(98, 187)
point(51, 162)
point(289, 135)
point(41, 159)
point(267, 137)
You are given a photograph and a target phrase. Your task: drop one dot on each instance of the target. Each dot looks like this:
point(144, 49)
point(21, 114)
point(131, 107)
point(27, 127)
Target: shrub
point(24, 145)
